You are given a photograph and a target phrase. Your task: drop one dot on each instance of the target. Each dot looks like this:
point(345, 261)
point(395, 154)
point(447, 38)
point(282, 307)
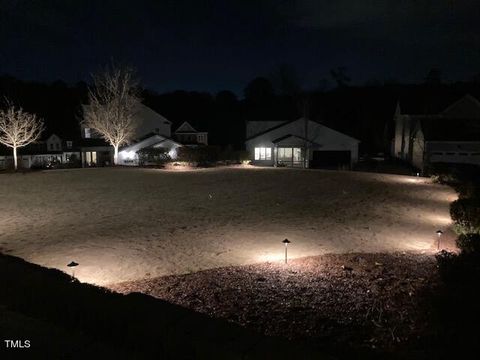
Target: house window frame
point(263, 153)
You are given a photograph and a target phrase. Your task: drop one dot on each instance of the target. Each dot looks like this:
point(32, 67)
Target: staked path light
point(286, 242)
point(72, 265)
point(439, 234)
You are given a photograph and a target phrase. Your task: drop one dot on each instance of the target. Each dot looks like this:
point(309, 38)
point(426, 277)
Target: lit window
point(87, 133)
point(263, 153)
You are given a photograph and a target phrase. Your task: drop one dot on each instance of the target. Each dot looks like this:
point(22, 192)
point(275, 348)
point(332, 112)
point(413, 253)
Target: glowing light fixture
point(72, 265)
point(439, 234)
point(286, 242)
point(173, 153)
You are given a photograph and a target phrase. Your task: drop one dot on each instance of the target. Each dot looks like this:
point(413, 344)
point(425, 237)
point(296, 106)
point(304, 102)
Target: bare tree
point(18, 128)
point(113, 101)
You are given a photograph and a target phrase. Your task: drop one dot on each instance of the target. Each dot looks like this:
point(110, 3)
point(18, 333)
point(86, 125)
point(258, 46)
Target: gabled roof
point(270, 129)
point(151, 140)
point(292, 121)
point(280, 139)
point(447, 129)
point(466, 107)
point(185, 128)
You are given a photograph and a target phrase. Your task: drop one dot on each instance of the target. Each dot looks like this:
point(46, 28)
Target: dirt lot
point(129, 224)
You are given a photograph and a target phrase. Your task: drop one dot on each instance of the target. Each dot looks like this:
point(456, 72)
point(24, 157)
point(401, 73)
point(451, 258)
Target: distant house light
point(262, 153)
point(88, 133)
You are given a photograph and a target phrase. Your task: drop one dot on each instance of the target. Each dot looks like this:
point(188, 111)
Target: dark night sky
point(215, 45)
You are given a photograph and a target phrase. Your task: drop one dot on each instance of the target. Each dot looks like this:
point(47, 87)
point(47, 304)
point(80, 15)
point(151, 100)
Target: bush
point(469, 243)
point(464, 178)
point(466, 215)
point(201, 155)
point(153, 156)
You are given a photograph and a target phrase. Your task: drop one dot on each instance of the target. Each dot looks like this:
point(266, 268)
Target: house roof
point(270, 129)
point(185, 128)
point(450, 129)
point(289, 122)
point(435, 104)
point(280, 139)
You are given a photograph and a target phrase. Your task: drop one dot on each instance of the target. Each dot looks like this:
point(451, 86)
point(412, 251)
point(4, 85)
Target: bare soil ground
point(129, 224)
point(369, 301)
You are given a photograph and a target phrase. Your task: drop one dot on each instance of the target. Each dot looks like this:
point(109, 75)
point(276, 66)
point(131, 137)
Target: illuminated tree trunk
point(115, 155)
point(15, 164)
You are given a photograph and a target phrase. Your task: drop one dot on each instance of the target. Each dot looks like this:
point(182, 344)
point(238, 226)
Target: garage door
point(330, 159)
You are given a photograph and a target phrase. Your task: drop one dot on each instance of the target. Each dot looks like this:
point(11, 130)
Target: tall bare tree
point(113, 101)
point(18, 128)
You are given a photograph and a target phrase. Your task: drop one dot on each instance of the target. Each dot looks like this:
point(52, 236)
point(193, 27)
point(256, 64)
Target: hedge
point(469, 243)
point(466, 215)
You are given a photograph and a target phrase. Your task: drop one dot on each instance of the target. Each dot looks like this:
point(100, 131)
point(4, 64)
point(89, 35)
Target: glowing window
point(262, 153)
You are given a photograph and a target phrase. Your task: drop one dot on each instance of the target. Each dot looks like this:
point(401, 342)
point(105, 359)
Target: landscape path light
point(72, 265)
point(286, 242)
point(439, 234)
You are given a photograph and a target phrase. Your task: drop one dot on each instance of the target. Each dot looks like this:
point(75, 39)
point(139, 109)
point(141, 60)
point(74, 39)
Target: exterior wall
point(466, 152)
point(418, 150)
point(193, 137)
point(324, 138)
point(149, 121)
point(54, 143)
point(398, 139)
point(104, 155)
point(27, 161)
point(202, 138)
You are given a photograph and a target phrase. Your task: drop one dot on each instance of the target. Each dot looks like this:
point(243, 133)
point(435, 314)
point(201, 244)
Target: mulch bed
point(374, 301)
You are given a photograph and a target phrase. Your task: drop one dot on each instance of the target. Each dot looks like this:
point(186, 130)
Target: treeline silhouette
point(364, 112)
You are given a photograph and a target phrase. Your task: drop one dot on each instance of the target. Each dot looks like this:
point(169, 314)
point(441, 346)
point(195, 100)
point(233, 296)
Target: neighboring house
point(449, 136)
point(54, 151)
point(147, 121)
point(153, 131)
point(299, 143)
point(187, 135)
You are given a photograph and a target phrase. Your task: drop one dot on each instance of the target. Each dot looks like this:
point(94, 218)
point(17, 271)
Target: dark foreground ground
point(360, 302)
point(330, 307)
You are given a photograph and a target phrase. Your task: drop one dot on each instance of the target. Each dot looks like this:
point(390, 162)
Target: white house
point(299, 143)
point(450, 136)
point(186, 134)
point(154, 131)
point(146, 121)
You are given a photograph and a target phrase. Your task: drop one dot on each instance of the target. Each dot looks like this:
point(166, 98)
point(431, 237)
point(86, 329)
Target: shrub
point(469, 243)
point(202, 155)
point(466, 215)
point(153, 156)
